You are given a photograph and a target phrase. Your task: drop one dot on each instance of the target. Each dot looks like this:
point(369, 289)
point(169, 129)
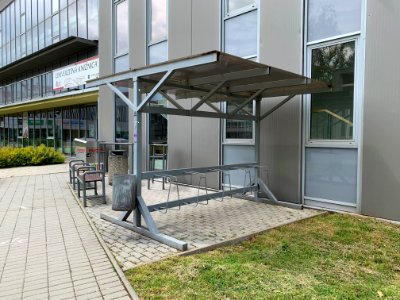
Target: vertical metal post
point(257, 142)
point(137, 148)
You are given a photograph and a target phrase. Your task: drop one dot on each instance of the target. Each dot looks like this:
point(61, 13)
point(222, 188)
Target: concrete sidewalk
point(48, 250)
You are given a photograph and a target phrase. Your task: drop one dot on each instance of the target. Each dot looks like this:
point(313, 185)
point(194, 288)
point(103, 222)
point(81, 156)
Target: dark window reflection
point(332, 113)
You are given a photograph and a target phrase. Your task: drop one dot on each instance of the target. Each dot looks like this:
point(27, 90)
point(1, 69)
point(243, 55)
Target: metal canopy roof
point(212, 77)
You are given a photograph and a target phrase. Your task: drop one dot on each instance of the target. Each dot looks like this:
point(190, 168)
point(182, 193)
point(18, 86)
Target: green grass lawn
point(331, 256)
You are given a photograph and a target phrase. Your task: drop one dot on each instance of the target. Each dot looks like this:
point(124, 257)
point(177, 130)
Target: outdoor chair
point(73, 166)
point(86, 176)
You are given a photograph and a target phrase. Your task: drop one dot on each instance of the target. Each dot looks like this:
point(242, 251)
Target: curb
point(110, 256)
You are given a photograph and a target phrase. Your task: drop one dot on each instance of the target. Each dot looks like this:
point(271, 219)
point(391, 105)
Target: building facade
point(331, 150)
point(41, 42)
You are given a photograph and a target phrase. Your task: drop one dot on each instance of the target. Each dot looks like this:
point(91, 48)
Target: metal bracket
point(276, 107)
point(122, 96)
point(156, 88)
point(209, 95)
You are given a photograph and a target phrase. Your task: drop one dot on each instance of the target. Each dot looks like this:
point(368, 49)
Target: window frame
point(227, 16)
point(229, 141)
point(333, 37)
point(236, 13)
point(353, 143)
point(149, 41)
point(117, 54)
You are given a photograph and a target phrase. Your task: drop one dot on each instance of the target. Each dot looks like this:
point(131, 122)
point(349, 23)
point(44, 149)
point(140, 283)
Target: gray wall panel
point(193, 28)
point(381, 162)
point(205, 25)
point(206, 132)
point(281, 46)
point(137, 33)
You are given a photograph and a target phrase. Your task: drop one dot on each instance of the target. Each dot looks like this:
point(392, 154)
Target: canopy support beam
point(208, 96)
point(156, 88)
point(276, 107)
point(122, 97)
point(171, 100)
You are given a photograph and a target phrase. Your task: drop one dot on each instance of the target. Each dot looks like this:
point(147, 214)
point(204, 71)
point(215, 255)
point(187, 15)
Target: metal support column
point(137, 149)
point(257, 146)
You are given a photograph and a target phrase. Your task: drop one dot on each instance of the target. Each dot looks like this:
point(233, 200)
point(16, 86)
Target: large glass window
point(93, 19)
point(121, 121)
point(31, 126)
point(157, 31)
point(74, 125)
point(72, 23)
point(329, 18)
point(66, 131)
point(240, 38)
point(13, 125)
point(1, 131)
point(50, 128)
point(82, 19)
point(37, 128)
point(58, 129)
point(43, 127)
point(6, 131)
point(332, 113)
point(240, 28)
point(158, 129)
point(91, 121)
point(121, 27)
point(158, 23)
point(82, 122)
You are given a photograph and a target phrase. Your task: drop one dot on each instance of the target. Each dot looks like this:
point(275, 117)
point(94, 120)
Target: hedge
point(29, 156)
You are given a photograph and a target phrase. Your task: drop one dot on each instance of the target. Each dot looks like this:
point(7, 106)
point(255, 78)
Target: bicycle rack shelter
point(211, 77)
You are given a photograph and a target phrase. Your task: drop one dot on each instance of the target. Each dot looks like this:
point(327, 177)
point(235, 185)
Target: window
point(121, 121)
point(329, 18)
point(93, 19)
point(240, 28)
point(121, 28)
point(157, 31)
point(239, 130)
point(91, 121)
point(232, 5)
point(332, 113)
point(82, 19)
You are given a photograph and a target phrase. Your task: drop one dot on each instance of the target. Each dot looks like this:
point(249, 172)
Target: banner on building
point(76, 74)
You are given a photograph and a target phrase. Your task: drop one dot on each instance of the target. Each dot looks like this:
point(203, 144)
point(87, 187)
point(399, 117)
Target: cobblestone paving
point(47, 248)
point(200, 226)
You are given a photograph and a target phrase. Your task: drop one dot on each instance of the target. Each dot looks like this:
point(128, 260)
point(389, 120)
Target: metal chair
point(87, 175)
point(73, 165)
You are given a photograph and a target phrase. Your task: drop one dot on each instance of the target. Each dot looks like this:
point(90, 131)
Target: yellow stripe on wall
point(83, 98)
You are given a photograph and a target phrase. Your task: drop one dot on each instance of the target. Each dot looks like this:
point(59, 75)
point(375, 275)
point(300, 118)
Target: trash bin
point(117, 164)
point(124, 193)
point(87, 150)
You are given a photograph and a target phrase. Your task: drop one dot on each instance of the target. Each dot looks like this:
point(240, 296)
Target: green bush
point(29, 156)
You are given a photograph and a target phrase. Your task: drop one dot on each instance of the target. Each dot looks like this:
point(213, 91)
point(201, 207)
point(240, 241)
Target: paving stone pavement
point(48, 250)
point(201, 226)
point(34, 170)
